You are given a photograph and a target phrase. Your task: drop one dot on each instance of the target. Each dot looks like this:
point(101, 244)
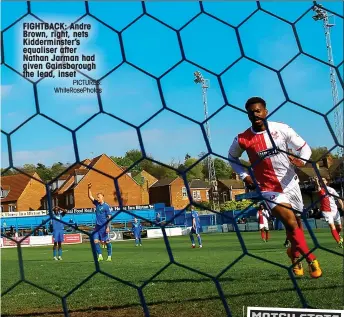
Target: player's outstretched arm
point(341, 204)
point(316, 184)
point(90, 192)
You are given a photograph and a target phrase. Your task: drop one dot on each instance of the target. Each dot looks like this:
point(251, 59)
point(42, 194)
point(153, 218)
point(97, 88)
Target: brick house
point(229, 188)
point(170, 191)
point(336, 170)
point(329, 168)
point(199, 190)
point(71, 189)
point(147, 181)
point(21, 193)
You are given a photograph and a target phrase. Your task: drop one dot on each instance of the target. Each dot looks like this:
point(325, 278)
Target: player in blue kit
point(136, 229)
point(196, 227)
point(58, 232)
point(101, 231)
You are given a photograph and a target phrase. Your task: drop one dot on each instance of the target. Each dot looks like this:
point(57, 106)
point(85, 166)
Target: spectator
point(157, 218)
point(45, 231)
point(11, 231)
point(15, 234)
point(4, 226)
point(71, 220)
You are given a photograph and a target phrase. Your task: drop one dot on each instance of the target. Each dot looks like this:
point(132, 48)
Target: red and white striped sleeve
point(297, 143)
point(234, 153)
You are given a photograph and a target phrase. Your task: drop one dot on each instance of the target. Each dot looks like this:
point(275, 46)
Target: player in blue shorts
point(136, 229)
point(101, 231)
point(196, 227)
point(58, 232)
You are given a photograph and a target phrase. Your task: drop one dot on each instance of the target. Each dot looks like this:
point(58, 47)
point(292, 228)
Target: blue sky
point(134, 96)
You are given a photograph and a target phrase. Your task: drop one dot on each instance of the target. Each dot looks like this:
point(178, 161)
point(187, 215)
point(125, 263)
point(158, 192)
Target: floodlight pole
point(321, 14)
point(198, 79)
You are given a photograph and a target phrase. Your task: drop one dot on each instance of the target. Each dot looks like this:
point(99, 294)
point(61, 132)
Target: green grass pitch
point(176, 291)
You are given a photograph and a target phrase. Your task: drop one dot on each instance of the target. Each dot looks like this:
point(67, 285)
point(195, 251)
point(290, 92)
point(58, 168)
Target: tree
point(319, 152)
point(222, 169)
point(29, 168)
point(207, 204)
point(235, 205)
point(122, 161)
point(57, 169)
point(133, 155)
point(196, 172)
point(161, 172)
point(139, 179)
point(9, 172)
point(148, 166)
point(44, 172)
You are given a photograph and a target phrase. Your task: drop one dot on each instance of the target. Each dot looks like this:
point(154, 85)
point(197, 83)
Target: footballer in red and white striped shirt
point(329, 209)
point(262, 217)
point(266, 144)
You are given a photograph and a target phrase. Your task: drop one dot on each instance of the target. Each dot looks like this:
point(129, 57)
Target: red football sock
point(267, 235)
point(339, 229)
point(262, 234)
point(335, 235)
point(294, 251)
point(301, 244)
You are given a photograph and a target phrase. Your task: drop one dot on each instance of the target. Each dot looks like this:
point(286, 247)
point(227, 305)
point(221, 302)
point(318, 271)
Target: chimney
point(327, 161)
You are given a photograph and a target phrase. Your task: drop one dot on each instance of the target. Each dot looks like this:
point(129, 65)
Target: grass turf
point(177, 291)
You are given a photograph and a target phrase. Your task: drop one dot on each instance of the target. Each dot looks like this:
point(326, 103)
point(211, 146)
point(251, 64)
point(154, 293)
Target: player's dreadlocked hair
point(254, 100)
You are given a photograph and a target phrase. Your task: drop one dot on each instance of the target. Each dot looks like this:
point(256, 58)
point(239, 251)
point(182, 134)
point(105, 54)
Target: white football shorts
point(290, 196)
point(332, 217)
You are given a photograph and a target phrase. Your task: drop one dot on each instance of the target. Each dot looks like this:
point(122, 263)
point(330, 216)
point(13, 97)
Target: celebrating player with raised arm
point(275, 174)
point(136, 229)
point(329, 209)
point(58, 231)
point(101, 231)
point(262, 217)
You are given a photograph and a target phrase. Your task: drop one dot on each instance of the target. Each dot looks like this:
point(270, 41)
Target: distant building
point(71, 189)
point(336, 170)
point(328, 167)
point(199, 190)
point(21, 193)
point(146, 181)
point(229, 188)
point(170, 191)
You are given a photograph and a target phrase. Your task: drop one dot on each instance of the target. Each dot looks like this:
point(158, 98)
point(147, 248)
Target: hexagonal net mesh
point(243, 54)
